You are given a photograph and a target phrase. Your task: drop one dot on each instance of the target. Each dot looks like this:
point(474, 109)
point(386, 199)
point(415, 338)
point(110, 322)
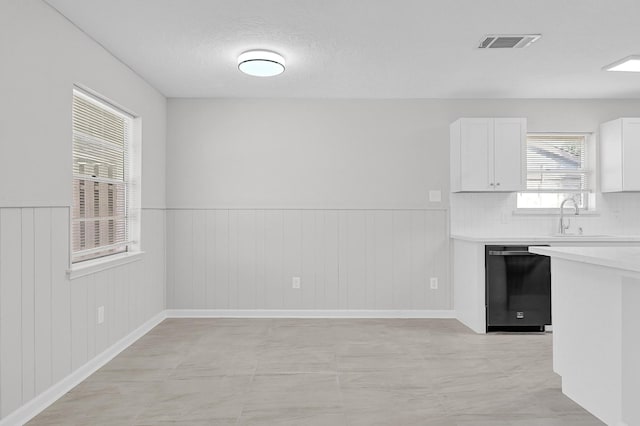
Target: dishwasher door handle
point(510, 253)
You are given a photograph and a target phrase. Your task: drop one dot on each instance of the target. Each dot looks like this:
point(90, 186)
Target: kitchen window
point(557, 168)
point(103, 221)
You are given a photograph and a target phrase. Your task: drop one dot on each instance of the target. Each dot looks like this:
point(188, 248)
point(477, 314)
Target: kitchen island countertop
point(625, 258)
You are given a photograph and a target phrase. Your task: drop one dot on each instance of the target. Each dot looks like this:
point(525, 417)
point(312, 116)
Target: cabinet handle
point(491, 184)
point(498, 184)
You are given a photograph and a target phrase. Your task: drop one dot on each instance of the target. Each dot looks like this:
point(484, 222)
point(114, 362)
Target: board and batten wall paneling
point(346, 259)
point(60, 295)
point(48, 324)
point(28, 303)
point(42, 298)
point(10, 309)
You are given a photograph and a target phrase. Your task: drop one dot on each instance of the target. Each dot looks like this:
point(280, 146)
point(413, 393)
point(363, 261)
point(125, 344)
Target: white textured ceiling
point(370, 48)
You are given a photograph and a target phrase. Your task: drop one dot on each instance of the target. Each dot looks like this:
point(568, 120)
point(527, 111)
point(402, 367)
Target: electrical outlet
point(295, 282)
point(435, 196)
point(434, 283)
point(100, 314)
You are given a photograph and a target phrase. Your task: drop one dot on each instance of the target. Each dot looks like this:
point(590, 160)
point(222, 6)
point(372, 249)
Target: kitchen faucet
point(563, 227)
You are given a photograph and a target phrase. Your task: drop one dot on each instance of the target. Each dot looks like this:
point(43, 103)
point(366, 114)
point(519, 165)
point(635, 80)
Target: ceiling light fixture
point(629, 64)
point(261, 63)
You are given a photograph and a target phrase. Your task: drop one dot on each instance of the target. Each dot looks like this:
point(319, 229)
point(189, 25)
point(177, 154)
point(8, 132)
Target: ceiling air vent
point(516, 41)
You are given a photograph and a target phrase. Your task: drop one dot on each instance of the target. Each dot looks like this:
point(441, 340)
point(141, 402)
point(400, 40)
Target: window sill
point(553, 212)
point(90, 267)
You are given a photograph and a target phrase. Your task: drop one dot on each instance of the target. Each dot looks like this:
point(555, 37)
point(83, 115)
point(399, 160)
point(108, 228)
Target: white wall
point(346, 259)
point(293, 157)
point(337, 153)
point(43, 56)
point(333, 191)
point(302, 154)
point(48, 324)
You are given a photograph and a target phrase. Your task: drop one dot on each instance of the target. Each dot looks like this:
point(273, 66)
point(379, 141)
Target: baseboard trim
point(306, 313)
point(38, 404)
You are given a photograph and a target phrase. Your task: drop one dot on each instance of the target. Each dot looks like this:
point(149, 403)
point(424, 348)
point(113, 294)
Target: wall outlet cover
point(295, 282)
point(435, 196)
point(100, 314)
point(434, 283)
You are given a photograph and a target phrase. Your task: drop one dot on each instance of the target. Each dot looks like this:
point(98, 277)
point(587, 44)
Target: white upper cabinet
point(620, 155)
point(488, 154)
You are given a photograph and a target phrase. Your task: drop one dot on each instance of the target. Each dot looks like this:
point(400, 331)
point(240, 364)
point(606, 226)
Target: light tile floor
point(323, 372)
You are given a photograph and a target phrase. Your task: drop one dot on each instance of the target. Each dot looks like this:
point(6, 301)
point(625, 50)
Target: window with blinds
point(101, 136)
point(556, 169)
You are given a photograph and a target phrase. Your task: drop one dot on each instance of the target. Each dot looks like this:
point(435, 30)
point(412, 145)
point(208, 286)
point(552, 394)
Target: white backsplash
point(493, 214)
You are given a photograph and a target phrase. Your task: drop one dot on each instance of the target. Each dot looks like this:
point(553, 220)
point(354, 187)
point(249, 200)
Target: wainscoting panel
point(48, 323)
point(346, 259)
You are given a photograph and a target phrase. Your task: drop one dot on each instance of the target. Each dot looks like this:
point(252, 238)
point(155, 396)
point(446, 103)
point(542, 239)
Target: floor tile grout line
point(253, 375)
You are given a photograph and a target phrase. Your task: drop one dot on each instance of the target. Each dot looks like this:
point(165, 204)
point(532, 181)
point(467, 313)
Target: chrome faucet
point(563, 226)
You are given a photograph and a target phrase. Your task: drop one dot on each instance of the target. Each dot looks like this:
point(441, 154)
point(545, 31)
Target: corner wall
point(332, 191)
point(48, 324)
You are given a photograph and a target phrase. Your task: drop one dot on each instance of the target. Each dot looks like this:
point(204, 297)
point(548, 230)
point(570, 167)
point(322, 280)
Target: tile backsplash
point(494, 214)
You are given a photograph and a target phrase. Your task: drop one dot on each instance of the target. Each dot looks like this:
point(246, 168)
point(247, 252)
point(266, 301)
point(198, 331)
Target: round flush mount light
point(261, 63)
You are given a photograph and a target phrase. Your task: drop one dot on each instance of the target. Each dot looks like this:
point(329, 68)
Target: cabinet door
point(631, 154)
point(476, 154)
point(509, 154)
point(611, 156)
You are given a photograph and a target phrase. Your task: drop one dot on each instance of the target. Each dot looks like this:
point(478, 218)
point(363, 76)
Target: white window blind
point(99, 221)
point(556, 169)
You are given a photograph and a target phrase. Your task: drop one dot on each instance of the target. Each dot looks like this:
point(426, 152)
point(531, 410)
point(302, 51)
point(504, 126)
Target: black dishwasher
point(518, 289)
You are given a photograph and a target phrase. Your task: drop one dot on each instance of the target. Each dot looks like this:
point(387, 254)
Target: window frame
point(589, 169)
point(131, 180)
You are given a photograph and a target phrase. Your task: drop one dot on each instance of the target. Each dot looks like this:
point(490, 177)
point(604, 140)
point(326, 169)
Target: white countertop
point(626, 258)
point(547, 238)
